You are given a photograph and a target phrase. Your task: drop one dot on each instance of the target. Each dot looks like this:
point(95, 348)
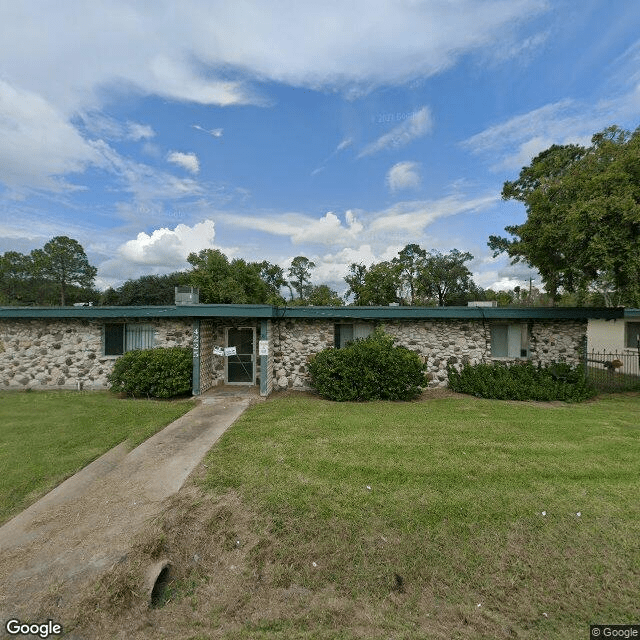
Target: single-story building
point(615, 335)
point(266, 346)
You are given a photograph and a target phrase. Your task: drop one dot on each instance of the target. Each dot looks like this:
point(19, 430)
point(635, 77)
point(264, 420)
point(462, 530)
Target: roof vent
point(187, 296)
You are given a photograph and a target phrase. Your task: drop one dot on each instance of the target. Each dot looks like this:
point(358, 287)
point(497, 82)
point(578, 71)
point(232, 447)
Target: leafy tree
point(356, 282)
point(63, 261)
point(273, 276)
point(323, 296)
point(300, 274)
point(382, 284)
point(146, 290)
point(443, 276)
point(16, 275)
point(582, 231)
point(224, 282)
point(410, 261)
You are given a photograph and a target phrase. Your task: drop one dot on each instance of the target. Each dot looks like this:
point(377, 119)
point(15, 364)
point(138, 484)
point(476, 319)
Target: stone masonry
point(438, 342)
point(68, 353)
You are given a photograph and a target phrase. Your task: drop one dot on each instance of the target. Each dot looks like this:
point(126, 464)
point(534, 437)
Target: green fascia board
point(181, 311)
point(450, 313)
point(334, 313)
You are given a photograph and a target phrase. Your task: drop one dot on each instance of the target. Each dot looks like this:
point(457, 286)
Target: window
point(345, 333)
point(120, 337)
point(509, 341)
point(632, 335)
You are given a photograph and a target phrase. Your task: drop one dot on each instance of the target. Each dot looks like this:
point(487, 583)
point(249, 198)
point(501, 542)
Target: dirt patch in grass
point(224, 581)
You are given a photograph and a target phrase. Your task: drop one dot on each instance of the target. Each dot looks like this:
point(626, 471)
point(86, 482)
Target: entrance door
point(240, 368)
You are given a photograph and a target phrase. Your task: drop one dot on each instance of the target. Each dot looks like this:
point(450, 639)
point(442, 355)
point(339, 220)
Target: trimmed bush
point(522, 381)
point(157, 373)
point(369, 369)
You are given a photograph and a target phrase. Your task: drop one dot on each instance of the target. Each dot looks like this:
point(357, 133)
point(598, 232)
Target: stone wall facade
point(438, 342)
point(294, 341)
point(69, 353)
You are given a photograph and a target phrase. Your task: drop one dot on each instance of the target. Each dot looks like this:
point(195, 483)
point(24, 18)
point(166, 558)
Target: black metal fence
point(613, 371)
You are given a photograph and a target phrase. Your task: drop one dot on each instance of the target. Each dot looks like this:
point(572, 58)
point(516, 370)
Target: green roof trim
point(451, 313)
point(334, 313)
point(175, 311)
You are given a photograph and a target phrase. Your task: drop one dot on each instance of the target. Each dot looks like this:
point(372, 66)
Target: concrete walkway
point(68, 538)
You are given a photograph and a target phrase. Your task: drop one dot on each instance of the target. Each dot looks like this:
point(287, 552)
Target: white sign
point(263, 347)
point(229, 351)
point(218, 351)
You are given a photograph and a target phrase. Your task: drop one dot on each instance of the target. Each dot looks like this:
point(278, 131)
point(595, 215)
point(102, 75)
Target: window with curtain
point(120, 338)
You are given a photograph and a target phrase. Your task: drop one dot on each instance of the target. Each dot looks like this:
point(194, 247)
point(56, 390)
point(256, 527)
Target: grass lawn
point(46, 436)
point(451, 518)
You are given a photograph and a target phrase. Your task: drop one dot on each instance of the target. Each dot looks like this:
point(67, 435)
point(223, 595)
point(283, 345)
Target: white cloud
point(328, 229)
point(168, 247)
point(176, 54)
point(396, 225)
point(59, 62)
point(216, 133)
point(188, 161)
point(404, 175)
point(512, 144)
point(37, 144)
point(106, 127)
point(419, 124)
point(414, 216)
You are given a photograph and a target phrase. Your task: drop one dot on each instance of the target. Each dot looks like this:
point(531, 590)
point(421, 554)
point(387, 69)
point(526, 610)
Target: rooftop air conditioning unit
point(483, 303)
point(187, 295)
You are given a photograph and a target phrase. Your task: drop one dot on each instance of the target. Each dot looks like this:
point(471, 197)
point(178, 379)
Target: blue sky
point(338, 131)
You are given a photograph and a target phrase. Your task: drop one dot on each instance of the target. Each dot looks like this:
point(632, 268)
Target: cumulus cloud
point(417, 125)
point(188, 161)
point(328, 229)
point(168, 247)
point(404, 175)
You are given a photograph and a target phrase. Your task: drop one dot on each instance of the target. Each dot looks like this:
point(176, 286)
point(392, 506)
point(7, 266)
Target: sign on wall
point(263, 347)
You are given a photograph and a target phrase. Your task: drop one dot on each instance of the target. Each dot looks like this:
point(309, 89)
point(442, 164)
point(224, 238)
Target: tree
point(224, 282)
point(300, 274)
point(273, 276)
point(380, 284)
point(356, 282)
point(443, 276)
point(410, 261)
point(582, 231)
point(146, 290)
point(16, 272)
point(323, 296)
point(63, 261)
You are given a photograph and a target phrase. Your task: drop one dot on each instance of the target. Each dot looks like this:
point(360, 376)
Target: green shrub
point(158, 373)
point(369, 369)
point(522, 381)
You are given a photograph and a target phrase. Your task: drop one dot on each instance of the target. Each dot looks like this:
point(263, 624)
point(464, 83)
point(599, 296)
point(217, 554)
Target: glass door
point(240, 368)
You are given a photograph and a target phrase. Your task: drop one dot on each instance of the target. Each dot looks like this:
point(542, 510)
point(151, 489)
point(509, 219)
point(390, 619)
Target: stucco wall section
point(439, 343)
point(62, 353)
